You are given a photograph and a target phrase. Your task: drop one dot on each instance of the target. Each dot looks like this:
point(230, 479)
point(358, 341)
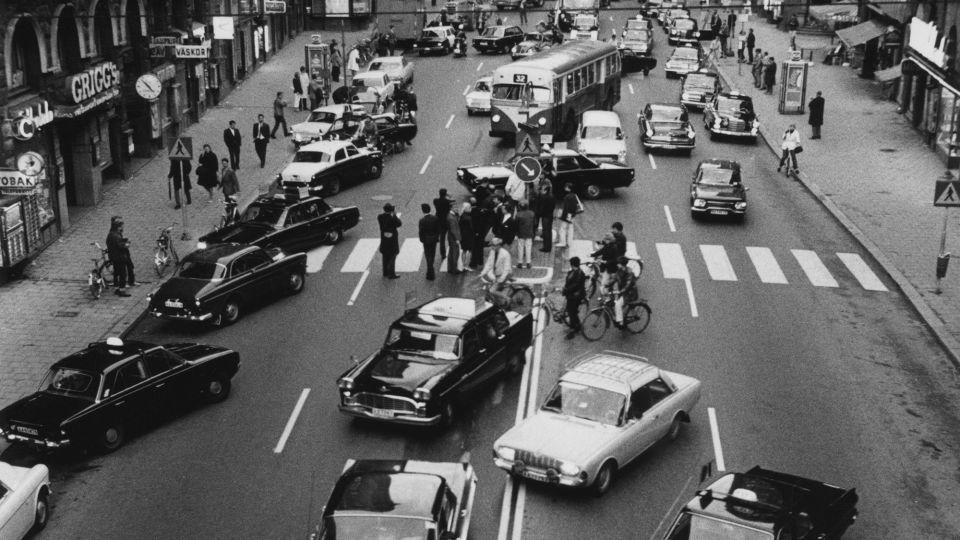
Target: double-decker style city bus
point(552, 88)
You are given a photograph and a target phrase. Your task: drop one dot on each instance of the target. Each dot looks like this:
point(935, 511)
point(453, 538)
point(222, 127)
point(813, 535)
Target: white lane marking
point(630, 86)
point(426, 164)
point(315, 258)
point(362, 255)
point(766, 265)
point(860, 270)
point(632, 250)
point(666, 210)
point(356, 290)
point(466, 90)
point(518, 511)
point(480, 65)
point(814, 268)
point(653, 164)
point(718, 264)
point(450, 121)
point(505, 503)
point(291, 421)
point(715, 433)
point(675, 267)
point(410, 256)
point(670, 514)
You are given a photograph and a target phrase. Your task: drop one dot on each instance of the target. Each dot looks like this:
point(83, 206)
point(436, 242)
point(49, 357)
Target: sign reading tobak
point(91, 82)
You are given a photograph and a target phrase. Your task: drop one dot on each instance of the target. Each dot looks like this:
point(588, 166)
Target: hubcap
point(295, 281)
point(216, 388)
point(232, 310)
point(41, 512)
point(112, 435)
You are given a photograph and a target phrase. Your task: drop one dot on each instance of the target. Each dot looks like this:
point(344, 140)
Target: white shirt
point(304, 82)
point(516, 189)
point(498, 265)
point(352, 62)
point(791, 140)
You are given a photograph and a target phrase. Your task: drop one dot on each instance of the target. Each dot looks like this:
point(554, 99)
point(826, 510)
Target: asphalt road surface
point(809, 367)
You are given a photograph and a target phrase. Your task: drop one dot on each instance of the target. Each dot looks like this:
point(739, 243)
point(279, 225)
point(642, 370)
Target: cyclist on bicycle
point(574, 291)
point(616, 229)
point(607, 253)
point(497, 271)
point(624, 288)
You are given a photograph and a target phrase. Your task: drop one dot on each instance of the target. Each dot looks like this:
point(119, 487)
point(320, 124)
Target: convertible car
point(324, 167)
point(24, 500)
point(560, 166)
point(217, 284)
point(92, 397)
point(602, 414)
point(287, 221)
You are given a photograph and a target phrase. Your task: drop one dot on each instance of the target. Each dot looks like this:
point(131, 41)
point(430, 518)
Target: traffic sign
point(182, 148)
point(274, 6)
point(528, 143)
point(947, 193)
point(527, 169)
point(191, 51)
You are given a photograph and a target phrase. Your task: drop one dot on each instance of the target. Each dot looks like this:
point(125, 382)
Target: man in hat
point(390, 223)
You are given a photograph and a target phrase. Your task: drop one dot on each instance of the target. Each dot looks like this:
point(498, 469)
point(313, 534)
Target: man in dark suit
point(180, 174)
point(816, 114)
point(231, 138)
point(389, 222)
point(574, 290)
point(429, 231)
point(261, 136)
point(442, 206)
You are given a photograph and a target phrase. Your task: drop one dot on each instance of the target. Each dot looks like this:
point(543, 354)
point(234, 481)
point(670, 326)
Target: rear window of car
point(322, 116)
point(71, 382)
point(197, 269)
point(381, 65)
point(637, 35)
point(311, 157)
point(699, 80)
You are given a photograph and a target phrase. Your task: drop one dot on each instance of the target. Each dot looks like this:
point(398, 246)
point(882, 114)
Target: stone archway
point(67, 38)
point(19, 27)
point(133, 15)
point(102, 25)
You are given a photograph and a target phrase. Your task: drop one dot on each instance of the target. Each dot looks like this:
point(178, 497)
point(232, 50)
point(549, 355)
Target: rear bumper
point(202, 317)
point(39, 443)
point(718, 211)
point(752, 134)
point(364, 412)
point(669, 145)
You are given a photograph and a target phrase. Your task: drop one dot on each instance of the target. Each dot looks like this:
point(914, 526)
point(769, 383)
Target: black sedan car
point(683, 32)
point(435, 358)
point(217, 284)
point(666, 126)
point(499, 39)
point(730, 114)
point(438, 39)
point(697, 89)
point(399, 499)
point(92, 397)
point(718, 190)
point(389, 129)
point(286, 221)
point(588, 177)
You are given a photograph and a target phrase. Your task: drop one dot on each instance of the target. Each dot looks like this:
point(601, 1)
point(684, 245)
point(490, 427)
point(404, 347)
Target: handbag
point(798, 149)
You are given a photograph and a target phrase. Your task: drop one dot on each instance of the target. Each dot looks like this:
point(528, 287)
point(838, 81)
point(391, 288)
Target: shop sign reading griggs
point(91, 82)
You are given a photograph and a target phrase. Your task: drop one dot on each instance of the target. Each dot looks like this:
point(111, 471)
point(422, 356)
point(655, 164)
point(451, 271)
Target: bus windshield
point(514, 91)
point(575, 5)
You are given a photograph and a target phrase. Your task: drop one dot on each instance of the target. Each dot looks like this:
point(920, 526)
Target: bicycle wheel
point(161, 261)
point(96, 288)
point(637, 317)
point(521, 298)
point(595, 324)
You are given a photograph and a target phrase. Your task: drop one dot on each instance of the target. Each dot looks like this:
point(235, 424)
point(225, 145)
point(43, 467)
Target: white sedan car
point(373, 86)
point(396, 67)
point(602, 414)
point(478, 98)
point(319, 122)
point(24, 499)
point(600, 137)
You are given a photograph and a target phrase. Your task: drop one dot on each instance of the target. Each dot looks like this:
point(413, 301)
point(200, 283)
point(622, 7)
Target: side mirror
point(353, 359)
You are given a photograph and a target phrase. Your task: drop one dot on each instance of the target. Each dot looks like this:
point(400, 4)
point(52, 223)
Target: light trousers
point(524, 247)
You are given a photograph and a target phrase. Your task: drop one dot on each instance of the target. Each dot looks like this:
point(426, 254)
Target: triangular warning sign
point(526, 146)
point(949, 196)
point(182, 148)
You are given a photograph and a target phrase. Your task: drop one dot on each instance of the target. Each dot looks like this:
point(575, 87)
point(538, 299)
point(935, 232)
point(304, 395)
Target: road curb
point(920, 306)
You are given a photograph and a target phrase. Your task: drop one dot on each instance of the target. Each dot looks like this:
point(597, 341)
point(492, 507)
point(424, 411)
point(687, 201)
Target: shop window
point(949, 109)
point(68, 41)
point(24, 56)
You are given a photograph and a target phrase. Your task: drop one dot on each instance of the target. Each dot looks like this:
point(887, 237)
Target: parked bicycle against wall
point(166, 255)
point(96, 278)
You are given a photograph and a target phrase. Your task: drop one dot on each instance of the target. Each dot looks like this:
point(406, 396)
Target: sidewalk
point(50, 313)
point(871, 170)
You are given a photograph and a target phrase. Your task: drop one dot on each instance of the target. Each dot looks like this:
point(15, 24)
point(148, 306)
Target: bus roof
point(564, 57)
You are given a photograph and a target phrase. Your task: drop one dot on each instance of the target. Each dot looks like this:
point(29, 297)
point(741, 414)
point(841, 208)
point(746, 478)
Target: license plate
point(173, 304)
point(719, 212)
point(27, 430)
point(381, 413)
point(533, 475)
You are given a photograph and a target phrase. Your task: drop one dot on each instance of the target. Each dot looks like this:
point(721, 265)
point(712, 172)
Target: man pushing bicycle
point(496, 270)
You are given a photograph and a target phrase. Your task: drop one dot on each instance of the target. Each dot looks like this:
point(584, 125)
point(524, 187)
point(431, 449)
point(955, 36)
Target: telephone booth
point(13, 233)
point(793, 87)
point(317, 58)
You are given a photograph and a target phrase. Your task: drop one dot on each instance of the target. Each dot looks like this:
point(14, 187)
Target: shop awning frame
point(889, 74)
point(943, 82)
point(861, 33)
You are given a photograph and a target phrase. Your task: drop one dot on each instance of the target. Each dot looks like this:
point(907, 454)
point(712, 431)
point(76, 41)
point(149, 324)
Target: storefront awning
point(861, 33)
point(889, 74)
point(73, 111)
point(932, 74)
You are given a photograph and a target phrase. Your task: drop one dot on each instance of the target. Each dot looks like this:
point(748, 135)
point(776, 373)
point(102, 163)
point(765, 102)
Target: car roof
point(328, 147)
point(387, 59)
point(221, 253)
point(99, 356)
point(601, 118)
point(722, 163)
point(283, 200)
point(446, 315)
point(611, 370)
point(385, 487)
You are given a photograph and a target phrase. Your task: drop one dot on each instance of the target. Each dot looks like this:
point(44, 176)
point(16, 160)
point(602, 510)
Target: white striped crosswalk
point(766, 265)
point(814, 268)
point(718, 264)
point(868, 280)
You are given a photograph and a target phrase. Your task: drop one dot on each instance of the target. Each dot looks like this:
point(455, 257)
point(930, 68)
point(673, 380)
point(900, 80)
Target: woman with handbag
point(790, 146)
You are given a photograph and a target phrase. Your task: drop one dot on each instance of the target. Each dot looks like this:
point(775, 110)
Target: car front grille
point(736, 124)
point(728, 205)
point(390, 403)
point(537, 461)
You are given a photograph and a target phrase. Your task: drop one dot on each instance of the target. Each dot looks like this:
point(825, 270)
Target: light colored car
point(319, 122)
point(324, 167)
point(373, 86)
point(396, 67)
point(600, 137)
point(683, 60)
point(583, 35)
point(24, 499)
point(478, 98)
point(603, 413)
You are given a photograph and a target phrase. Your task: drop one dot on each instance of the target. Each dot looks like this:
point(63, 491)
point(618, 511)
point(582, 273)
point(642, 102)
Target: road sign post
point(182, 150)
point(946, 193)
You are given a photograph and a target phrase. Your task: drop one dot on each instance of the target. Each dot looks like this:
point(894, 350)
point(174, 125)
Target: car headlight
point(496, 118)
point(696, 34)
point(691, 133)
point(716, 123)
point(201, 245)
point(685, 96)
point(345, 383)
point(649, 132)
point(514, 49)
point(622, 156)
point(421, 394)
point(414, 45)
point(460, 173)
point(569, 469)
point(542, 121)
point(506, 453)
point(297, 137)
point(699, 203)
point(740, 205)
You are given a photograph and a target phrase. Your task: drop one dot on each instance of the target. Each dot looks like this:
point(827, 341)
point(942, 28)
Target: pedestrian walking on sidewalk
point(571, 206)
point(816, 114)
point(390, 223)
point(526, 223)
point(523, 11)
point(751, 43)
point(232, 139)
point(314, 91)
point(467, 236)
point(544, 206)
point(391, 40)
point(428, 229)
point(789, 144)
point(792, 27)
point(261, 136)
point(741, 45)
point(118, 251)
point(229, 184)
point(716, 50)
point(299, 92)
point(725, 35)
point(757, 70)
point(442, 205)
point(336, 60)
point(453, 241)
point(207, 167)
point(179, 173)
point(769, 75)
point(732, 22)
point(278, 117)
point(353, 63)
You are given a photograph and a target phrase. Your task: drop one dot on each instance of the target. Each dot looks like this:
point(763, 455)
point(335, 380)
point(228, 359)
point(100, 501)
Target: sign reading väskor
point(192, 51)
point(99, 78)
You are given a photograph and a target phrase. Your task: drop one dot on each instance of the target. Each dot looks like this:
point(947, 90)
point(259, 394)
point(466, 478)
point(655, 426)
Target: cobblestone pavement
point(871, 169)
point(49, 313)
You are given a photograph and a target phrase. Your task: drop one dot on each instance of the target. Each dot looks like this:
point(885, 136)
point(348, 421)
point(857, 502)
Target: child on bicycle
point(497, 271)
point(624, 288)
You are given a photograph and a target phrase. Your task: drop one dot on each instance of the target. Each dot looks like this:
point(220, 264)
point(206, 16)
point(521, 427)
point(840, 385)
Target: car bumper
point(752, 134)
point(679, 70)
point(364, 412)
point(39, 443)
point(632, 54)
point(669, 145)
point(717, 211)
point(693, 103)
point(548, 476)
point(430, 48)
point(182, 316)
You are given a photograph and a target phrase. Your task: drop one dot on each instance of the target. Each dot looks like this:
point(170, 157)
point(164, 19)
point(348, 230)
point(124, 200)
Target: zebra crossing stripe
point(860, 270)
point(766, 265)
point(632, 250)
point(814, 268)
point(672, 262)
point(580, 248)
point(411, 253)
point(362, 255)
point(718, 264)
point(315, 258)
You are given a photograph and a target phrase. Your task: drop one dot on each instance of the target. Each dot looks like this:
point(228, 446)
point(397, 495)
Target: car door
point(566, 169)
point(314, 231)
point(471, 361)
point(128, 394)
point(296, 232)
point(16, 512)
point(166, 375)
point(251, 276)
point(357, 163)
point(647, 421)
point(493, 346)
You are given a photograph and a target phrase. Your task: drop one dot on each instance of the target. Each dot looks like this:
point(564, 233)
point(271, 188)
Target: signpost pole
point(943, 246)
point(946, 194)
point(183, 211)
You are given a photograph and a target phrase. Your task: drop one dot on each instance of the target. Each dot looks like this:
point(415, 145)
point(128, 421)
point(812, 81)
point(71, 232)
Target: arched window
point(103, 28)
point(68, 40)
point(25, 56)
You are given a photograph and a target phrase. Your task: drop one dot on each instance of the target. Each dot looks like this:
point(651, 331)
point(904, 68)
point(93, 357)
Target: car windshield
point(492, 32)
point(533, 37)
point(375, 527)
point(574, 5)
point(71, 382)
point(438, 346)
point(585, 21)
point(322, 116)
point(262, 213)
point(311, 156)
point(715, 176)
point(684, 24)
point(367, 82)
point(667, 114)
point(637, 35)
point(429, 34)
point(384, 65)
point(699, 527)
point(728, 104)
point(482, 86)
point(599, 132)
point(699, 80)
point(513, 92)
point(586, 402)
point(685, 53)
point(192, 268)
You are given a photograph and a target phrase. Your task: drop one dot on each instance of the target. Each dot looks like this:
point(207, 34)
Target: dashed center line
point(450, 121)
point(715, 434)
point(426, 164)
point(288, 429)
point(666, 210)
point(466, 90)
point(480, 65)
point(652, 162)
point(630, 86)
point(356, 290)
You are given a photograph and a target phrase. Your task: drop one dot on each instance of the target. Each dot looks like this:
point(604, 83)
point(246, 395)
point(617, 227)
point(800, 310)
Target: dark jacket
point(526, 223)
point(751, 39)
point(569, 208)
point(429, 229)
point(608, 254)
point(389, 225)
point(816, 111)
point(574, 287)
point(442, 206)
point(231, 139)
point(466, 230)
point(620, 240)
point(505, 229)
point(117, 249)
point(229, 183)
point(453, 226)
point(278, 107)
point(180, 173)
point(297, 87)
point(264, 131)
point(478, 215)
point(207, 170)
point(770, 74)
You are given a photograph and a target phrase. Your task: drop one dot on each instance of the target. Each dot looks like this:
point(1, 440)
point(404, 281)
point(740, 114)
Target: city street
point(811, 359)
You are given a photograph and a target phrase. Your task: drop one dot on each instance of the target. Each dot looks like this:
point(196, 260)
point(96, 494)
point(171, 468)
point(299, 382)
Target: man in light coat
point(453, 241)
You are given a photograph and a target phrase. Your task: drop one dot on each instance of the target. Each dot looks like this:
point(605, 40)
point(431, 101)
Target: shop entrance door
point(66, 150)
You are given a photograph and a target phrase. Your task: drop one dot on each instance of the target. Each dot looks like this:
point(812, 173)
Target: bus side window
point(570, 88)
point(558, 90)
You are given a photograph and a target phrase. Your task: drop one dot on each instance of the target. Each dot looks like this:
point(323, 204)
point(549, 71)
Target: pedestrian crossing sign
point(528, 144)
point(182, 148)
point(947, 193)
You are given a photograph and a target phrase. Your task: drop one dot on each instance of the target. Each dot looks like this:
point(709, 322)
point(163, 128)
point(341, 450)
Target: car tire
point(111, 437)
point(604, 480)
point(593, 191)
point(295, 282)
point(674, 430)
point(375, 170)
point(334, 236)
point(217, 389)
point(41, 514)
point(469, 112)
point(694, 215)
point(713, 136)
point(333, 186)
point(228, 314)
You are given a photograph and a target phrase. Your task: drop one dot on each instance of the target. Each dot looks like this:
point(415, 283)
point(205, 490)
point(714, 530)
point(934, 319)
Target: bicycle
point(636, 317)
point(551, 309)
point(592, 270)
point(96, 283)
point(166, 254)
point(231, 214)
point(521, 296)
